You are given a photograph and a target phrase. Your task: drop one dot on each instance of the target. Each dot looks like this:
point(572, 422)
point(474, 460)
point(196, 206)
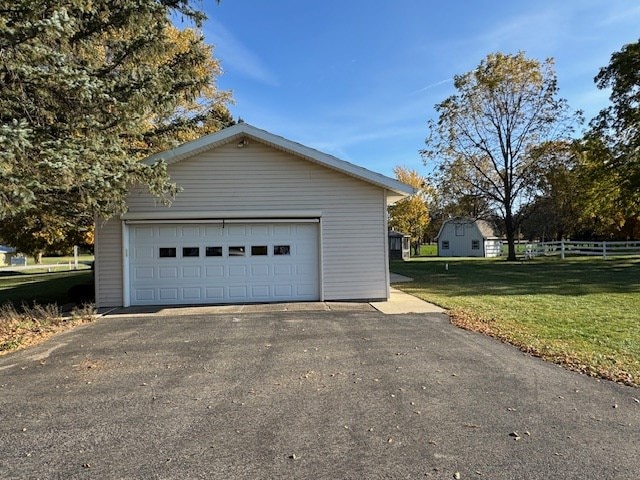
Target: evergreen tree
point(87, 89)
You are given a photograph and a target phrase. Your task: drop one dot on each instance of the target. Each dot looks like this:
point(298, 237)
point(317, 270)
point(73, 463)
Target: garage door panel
point(168, 272)
point(237, 270)
point(190, 272)
point(231, 264)
point(238, 291)
point(261, 230)
point(214, 272)
point(214, 231)
point(192, 293)
point(144, 294)
point(144, 273)
point(214, 294)
point(237, 230)
point(168, 294)
point(305, 289)
point(167, 233)
point(304, 269)
point(282, 269)
point(282, 231)
point(283, 291)
point(144, 252)
point(259, 270)
point(190, 232)
point(258, 291)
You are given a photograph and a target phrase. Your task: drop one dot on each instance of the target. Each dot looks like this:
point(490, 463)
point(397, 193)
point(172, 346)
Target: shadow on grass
point(571, 277)
point(41, 288)
point(10, 273)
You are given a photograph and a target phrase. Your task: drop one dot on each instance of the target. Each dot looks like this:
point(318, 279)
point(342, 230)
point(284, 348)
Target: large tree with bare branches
point(488, 137)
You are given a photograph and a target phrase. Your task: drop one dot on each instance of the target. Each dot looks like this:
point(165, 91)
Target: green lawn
point(42, 288)
point(430, 250)
point(584, 313)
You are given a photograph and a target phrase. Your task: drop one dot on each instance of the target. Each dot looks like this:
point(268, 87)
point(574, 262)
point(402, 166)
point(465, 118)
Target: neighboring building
point(260, 219)
point(5, 254)
point(399, 246)
point(466, 237)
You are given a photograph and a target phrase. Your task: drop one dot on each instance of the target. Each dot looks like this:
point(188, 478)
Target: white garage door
point(172, 264)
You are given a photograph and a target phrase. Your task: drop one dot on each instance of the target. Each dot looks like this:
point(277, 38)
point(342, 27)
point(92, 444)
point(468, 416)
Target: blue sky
point(359, 79)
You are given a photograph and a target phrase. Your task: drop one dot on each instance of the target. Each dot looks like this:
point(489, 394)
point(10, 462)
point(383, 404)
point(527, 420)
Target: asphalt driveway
point(305, 395)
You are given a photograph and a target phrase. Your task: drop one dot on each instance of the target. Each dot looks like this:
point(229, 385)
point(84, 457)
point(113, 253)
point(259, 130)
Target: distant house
point(399, 246)
point(5, 254)
point(467, 237)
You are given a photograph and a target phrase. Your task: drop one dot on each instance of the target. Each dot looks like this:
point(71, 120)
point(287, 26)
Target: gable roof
point(242, 131)
point(487, 230)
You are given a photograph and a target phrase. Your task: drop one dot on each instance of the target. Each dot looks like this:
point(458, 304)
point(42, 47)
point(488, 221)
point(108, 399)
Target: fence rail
point(568, 247)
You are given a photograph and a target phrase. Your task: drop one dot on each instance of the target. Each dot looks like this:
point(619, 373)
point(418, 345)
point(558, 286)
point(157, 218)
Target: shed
point(399, 245)
point(259, 219)
point(5, 254)
point(468, 237)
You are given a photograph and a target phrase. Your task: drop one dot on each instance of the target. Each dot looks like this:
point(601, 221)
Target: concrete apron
point(398, 303)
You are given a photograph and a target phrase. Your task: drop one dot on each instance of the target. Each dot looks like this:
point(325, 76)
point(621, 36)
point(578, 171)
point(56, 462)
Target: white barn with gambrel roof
point(468, 237)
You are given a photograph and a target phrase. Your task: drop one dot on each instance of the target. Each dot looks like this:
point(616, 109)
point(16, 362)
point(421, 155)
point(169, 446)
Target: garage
point(257, 218)
point(223, 262)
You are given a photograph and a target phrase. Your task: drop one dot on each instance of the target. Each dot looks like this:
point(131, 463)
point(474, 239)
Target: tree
point(608, 209)
point(86, 91)
point(89, 88)
point(617, 127)
point(486, 132)
point(410, 215)
point(40, 232)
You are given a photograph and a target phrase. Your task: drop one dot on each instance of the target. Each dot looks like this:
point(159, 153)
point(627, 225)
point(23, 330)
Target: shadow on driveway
point(328, 394)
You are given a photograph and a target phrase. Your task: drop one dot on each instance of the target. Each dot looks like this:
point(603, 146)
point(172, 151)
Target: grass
point(65, 259)
point(583, 313)
point(41, 288)
point(430, 250)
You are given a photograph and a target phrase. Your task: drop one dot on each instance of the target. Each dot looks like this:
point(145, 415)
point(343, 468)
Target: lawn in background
point(428, 250)
point(28, 288)
point(580, 312)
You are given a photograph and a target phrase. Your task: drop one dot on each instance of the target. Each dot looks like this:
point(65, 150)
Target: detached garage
point(259, 219)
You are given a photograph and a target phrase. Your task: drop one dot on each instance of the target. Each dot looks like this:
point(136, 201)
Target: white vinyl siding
point(259, 178)
point(108, 266)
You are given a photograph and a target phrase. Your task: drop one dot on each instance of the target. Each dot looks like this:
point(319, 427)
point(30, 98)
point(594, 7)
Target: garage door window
point(282, 250)
point(167, 252)
point(190, 252)
point(259, 250)
point(236, 251)
point(213, 251)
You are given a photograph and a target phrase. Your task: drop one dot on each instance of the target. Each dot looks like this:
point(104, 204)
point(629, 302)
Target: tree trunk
point(511, 237)
point(38, 257)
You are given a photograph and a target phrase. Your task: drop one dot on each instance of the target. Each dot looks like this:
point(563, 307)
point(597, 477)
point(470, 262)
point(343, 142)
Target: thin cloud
point(235, 56)
point(622, 15)
point(431, 85)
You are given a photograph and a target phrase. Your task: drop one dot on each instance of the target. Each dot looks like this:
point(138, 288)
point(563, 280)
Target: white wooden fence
point(568, 247)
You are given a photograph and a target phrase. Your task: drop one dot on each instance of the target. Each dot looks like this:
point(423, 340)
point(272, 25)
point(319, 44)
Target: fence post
point(604, 250)
point(562, 249)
